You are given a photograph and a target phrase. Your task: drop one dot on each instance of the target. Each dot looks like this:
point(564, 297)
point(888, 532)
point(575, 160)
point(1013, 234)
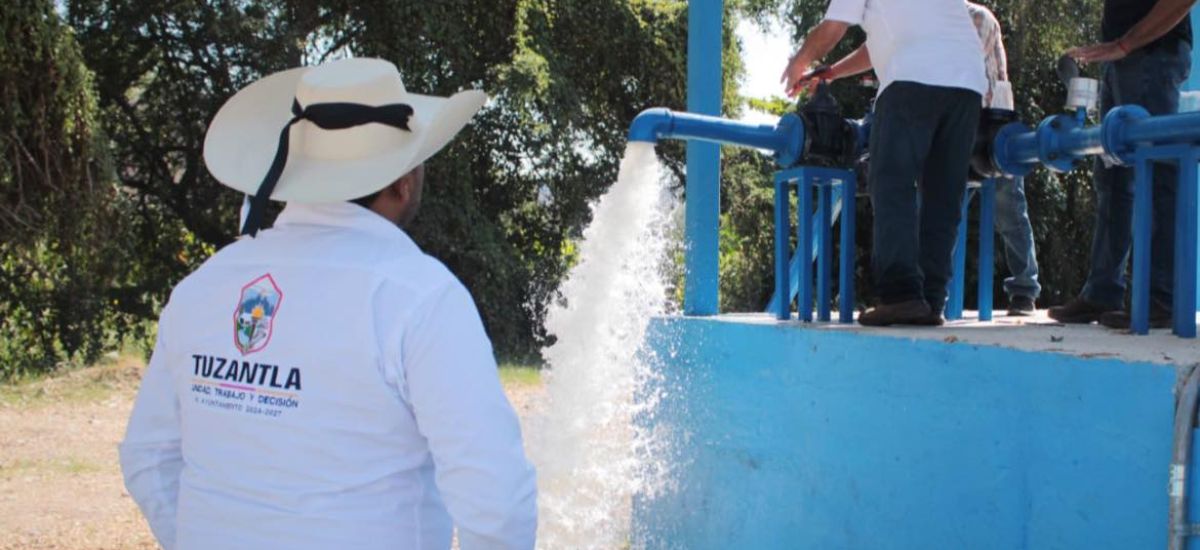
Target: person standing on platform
point(1145, 59)
point(1012, 211)
point(932, 82)
point(324, 383)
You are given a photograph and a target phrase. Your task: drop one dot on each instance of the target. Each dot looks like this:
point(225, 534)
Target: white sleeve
point(151, 460)
point(489, 487)
point(850, 12)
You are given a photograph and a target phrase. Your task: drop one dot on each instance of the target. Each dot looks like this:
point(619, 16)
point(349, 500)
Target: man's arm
point(454, 388)
point(856, 63)
point(151, 460)
point(1163, 17)
point(819, 42)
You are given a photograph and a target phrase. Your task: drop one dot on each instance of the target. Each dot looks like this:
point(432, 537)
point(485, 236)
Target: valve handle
point(1067, 69)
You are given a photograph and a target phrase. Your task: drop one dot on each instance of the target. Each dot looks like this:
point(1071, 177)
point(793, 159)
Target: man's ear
point(401, 188)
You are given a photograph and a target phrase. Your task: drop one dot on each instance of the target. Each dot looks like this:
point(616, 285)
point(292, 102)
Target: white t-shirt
point(930, 42)
point(326, 385)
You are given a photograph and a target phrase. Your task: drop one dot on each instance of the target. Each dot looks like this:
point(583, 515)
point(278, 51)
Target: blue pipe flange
point(1049, 139)
point(790, 125)
point(1000, 152)
point(1116, 151)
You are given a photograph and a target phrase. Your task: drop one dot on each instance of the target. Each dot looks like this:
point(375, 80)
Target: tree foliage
point(62, 264)
point(505, 201)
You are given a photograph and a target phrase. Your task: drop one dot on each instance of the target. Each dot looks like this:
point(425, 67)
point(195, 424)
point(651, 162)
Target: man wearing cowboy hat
point(325, 384)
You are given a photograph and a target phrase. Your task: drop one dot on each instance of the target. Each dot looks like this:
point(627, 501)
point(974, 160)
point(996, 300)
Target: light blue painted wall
point(793, 438)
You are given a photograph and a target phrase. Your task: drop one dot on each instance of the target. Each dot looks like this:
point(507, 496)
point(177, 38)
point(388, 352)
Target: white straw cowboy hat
point(341, 131)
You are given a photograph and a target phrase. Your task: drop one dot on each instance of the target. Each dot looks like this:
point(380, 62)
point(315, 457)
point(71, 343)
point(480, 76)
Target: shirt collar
point(345, 215)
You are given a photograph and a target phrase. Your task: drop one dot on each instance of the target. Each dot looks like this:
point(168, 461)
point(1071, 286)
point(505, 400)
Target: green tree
point(505, 201)
point(61, 263)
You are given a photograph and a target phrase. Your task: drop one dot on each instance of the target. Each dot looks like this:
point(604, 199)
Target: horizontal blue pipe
point(1163, 130)
point(1078, 142)
point(784, 139)
point(1023, 149)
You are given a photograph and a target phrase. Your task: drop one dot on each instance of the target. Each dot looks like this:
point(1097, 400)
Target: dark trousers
point(1150, 78)
point(921, 141)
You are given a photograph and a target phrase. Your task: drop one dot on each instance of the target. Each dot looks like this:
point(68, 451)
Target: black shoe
point(1021, 306)
point(912, 312)
point(934, 319)
point(1078, 310)
point(1159, 318)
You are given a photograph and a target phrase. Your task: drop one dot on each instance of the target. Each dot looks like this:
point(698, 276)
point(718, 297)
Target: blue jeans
point(1012, 224)
point(1150, 78)
point(919, 133)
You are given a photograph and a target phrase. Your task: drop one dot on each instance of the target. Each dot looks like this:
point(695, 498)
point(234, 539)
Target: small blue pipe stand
point(986, 190)
point(1184, 294)
point(827, 182)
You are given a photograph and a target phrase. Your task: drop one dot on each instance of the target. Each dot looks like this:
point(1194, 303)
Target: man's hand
point(796, 75)
point(1099, 53)
point(817, 44)
point(810, 79)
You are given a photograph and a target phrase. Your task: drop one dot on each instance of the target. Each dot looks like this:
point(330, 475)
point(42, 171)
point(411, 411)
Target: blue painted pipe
point(1061, 140)
point(785, 139)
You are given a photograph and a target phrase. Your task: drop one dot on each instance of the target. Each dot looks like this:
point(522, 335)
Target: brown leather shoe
point(912, 312)
point(1078, 310)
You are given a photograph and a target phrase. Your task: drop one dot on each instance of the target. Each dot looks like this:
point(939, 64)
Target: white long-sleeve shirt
point(326, 385)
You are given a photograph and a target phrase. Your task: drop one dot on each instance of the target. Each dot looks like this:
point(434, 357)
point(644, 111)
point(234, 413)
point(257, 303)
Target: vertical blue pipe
point(703, 214)
point(805, 242)
point(1193, 84)
point(1185, 247)
point(987, 205)
point(1142, 197)
point(825, 257)
point(783, 231)
point(958, 280)
point(849, 251)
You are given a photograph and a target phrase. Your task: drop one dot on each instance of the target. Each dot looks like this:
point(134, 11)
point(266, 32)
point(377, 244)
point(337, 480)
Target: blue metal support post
point(1193, 84)
point(805, 242)
point(958, 280)
point(987, 202)
point(824, 258)
point(783, 230)
point(703, 159)
point(849, 251)
point(1185, 245)
point(1143, 196)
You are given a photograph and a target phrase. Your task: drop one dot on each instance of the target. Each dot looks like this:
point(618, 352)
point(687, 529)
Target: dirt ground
point(60, 485)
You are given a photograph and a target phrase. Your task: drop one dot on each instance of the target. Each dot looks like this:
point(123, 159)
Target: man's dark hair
point(367, 200)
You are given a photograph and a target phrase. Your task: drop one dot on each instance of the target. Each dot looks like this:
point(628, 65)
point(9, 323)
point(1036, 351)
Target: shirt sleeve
point(850, 12)
point(999, 53)
point(481, 470)
point(151, 457)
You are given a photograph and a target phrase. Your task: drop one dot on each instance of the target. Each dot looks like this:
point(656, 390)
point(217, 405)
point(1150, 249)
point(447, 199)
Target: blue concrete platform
point(977, 435)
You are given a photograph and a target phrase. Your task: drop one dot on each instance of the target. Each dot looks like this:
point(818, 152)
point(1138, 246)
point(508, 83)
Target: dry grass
point(59, 482)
